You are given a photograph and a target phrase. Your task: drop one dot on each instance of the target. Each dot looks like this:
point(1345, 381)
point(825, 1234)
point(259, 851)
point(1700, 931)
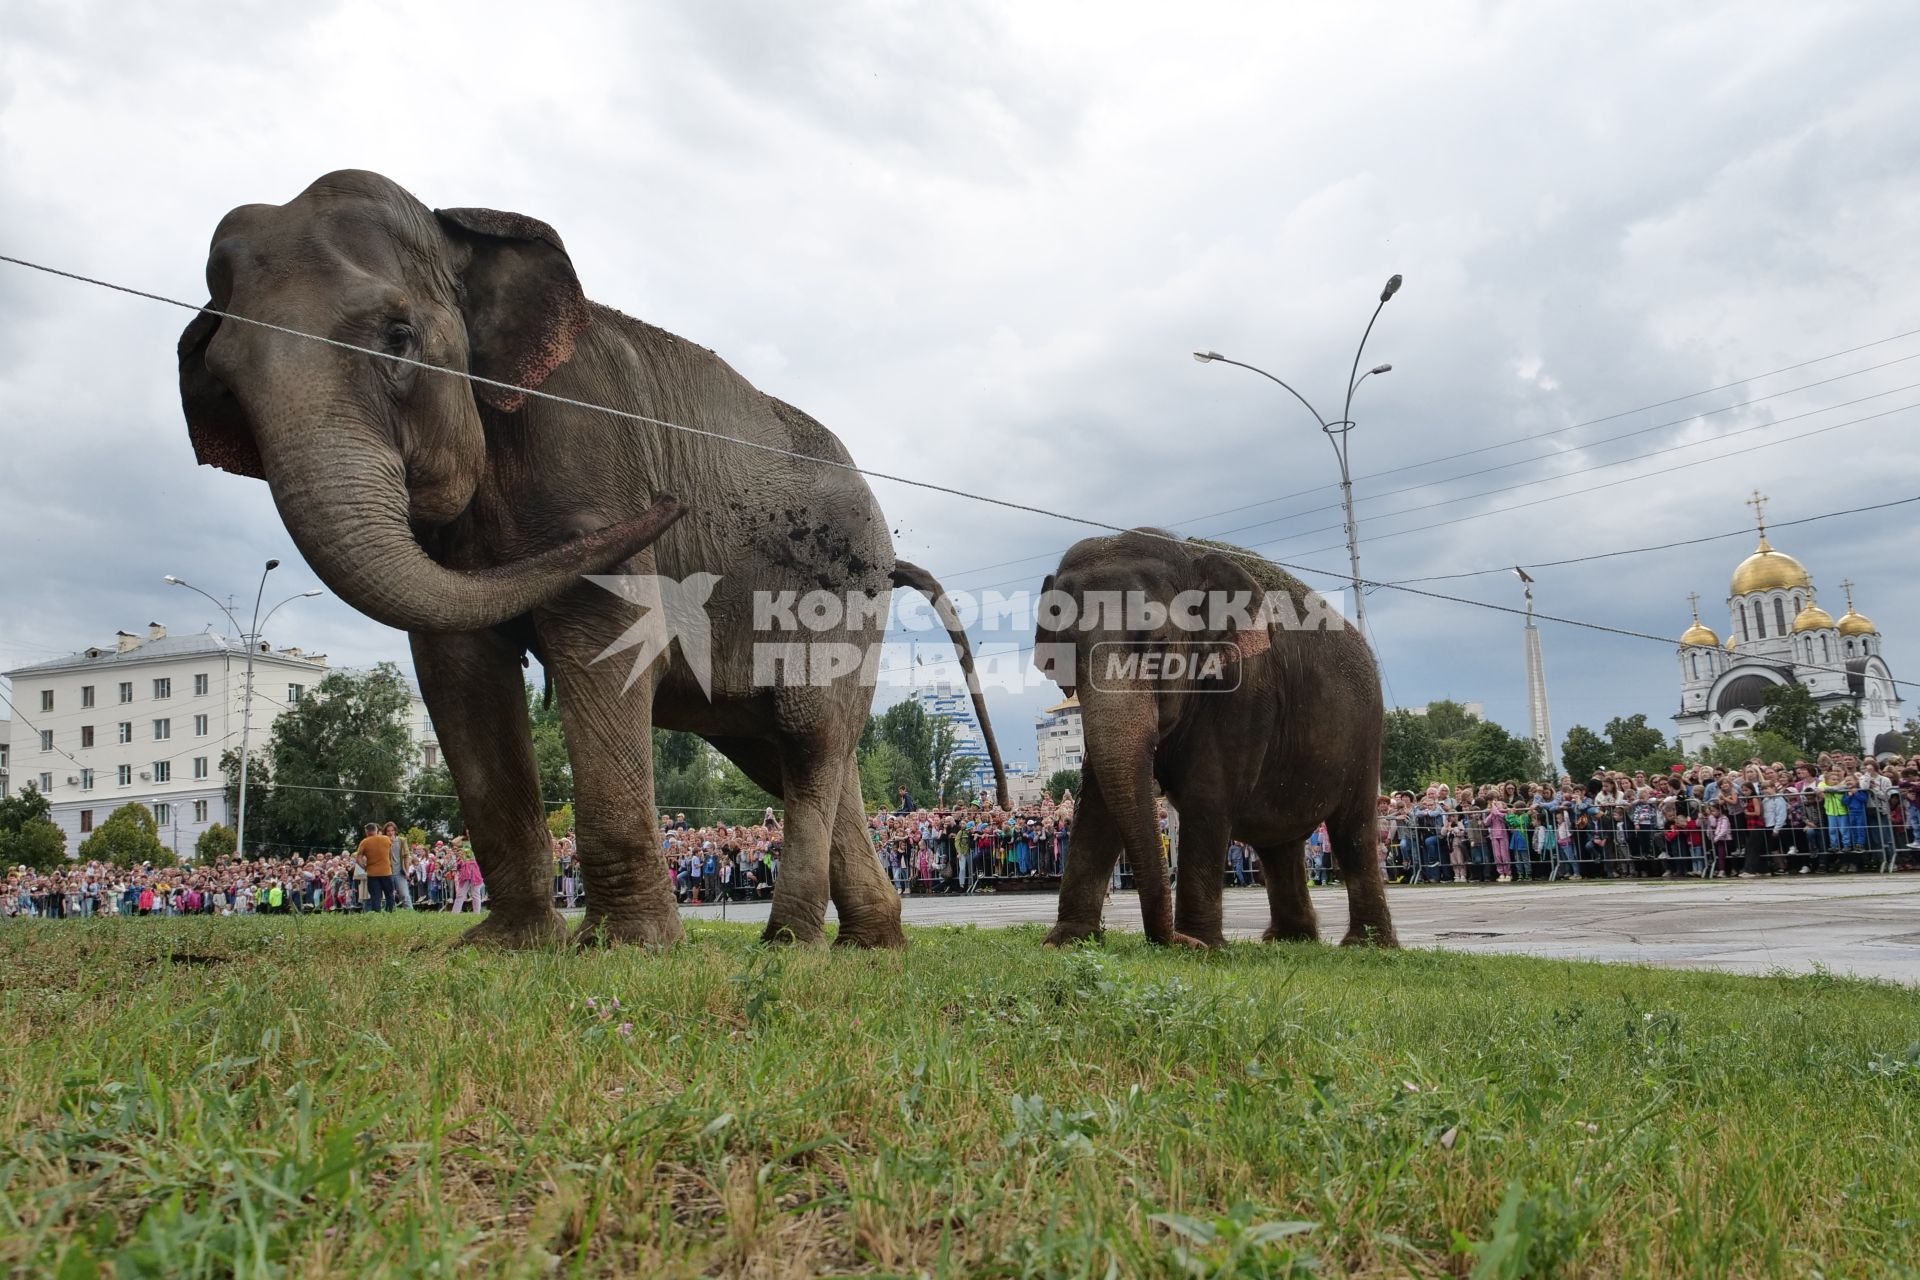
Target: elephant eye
point(397, 338)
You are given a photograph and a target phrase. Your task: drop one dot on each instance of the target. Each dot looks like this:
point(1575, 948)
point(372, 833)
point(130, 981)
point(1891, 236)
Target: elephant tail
point(913, 577)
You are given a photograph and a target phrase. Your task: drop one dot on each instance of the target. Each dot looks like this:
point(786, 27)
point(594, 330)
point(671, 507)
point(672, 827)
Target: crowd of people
point(1831, 813)
point(1834, 812)
point(441, 876)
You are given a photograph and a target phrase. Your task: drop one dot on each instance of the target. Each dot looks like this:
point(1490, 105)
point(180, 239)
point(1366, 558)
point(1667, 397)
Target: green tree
point(908, 728)
point(259, 790)
point(127, 838)
point(215, 842)
point(341, 757)
point(1734, 750)
point(17, 811)
point(1490, 754)
point(35, 843)
point(883, 771)
point(739, 798)
point(560, 821)
point(1407, 751)
point(550, 759)
point(1063, 781)
point(434, 803)
point(686, 773)
point(1584, 753)
point(1789, 710)
point(1448, 719)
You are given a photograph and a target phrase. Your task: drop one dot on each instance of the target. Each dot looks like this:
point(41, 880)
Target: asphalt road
point(1865, 925)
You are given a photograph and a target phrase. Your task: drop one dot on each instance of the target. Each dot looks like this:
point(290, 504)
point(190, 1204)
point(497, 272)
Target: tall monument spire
point(1539, 726)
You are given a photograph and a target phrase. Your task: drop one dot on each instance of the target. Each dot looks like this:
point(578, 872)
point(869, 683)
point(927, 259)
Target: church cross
point(1847, 586)
point(1759, 504)
point(1693, 598)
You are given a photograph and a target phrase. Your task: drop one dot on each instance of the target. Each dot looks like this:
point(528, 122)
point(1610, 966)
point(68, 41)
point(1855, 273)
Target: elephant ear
point(1223, 574)
point(215, 423)
point(1049, 657)
point(523, 303)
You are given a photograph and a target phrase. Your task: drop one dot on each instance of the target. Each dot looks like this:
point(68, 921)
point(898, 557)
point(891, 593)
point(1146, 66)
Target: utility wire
point(1664, 546)
point(1357, 582)
point(1300, 493)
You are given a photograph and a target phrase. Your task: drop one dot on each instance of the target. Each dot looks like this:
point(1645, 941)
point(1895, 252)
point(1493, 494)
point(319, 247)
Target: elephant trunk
point(1122, 726)
point(344, 497)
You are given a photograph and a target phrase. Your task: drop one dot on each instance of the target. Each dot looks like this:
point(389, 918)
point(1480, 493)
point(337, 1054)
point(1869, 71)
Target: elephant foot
point(1371, 935)
point(531, 931)
point(1208, 936)
point(872, 936)
point(1070, 933)
point(629, 929)
point(1291, 931)
point(1188, 942)
point(788, 933)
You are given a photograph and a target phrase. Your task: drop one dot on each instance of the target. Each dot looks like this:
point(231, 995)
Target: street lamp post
point(1337, 435)
point(252, 639)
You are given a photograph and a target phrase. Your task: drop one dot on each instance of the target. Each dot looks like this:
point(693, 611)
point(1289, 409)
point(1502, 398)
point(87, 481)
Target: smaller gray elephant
point(1259, 726)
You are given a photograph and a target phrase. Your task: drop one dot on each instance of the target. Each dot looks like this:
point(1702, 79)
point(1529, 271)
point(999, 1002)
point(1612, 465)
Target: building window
point(199, 726)
point(86, 696)
point(86, 779)
point(1780, 614)
point(86, 821)
point(432, 756)
point(86, 736)
point(1826, 653)
point(294, 691)
point(124, 775)
point(1796, 604)
point(1759, 622)
point(126, 691)
point(200, 686)
point(46, 783)
point(163, 771)
point(162, 730)
point(1740, 616)
point(46, 699)
point(199, 766)
point(46, 739)
point(126, 731)
point(199, 810)
point(163, 814)
point(163, 687)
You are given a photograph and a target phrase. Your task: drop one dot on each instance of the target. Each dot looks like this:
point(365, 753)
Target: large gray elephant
point(466, 512)
point(1259, 727)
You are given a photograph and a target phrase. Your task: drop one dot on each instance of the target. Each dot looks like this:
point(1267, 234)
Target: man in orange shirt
point(376, 855)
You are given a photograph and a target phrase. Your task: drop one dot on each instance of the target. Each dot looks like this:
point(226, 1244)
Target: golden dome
point(1729, 644)
point(1767, 569)
point(1812, 618)
point(1699, 633)
point(1855, 623)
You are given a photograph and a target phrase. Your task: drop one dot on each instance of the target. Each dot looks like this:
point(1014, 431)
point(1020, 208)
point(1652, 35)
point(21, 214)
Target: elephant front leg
point(865, 900)
point(1092, 849)
point(629, 898)
point(1204, 837)
point(473, 690)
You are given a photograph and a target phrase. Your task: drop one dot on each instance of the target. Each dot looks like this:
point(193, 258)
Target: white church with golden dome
point(1778, 634)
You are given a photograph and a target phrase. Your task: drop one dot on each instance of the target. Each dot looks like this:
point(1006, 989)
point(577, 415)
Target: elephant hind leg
point(1354, 837)
point(1291, 916)
point(813, 776)
point(863, 897)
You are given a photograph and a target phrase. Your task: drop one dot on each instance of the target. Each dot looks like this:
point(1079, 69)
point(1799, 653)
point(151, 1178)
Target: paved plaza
point(1864, 925)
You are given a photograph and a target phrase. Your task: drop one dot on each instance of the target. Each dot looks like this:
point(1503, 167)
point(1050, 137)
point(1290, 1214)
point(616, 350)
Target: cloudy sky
point(979, 242)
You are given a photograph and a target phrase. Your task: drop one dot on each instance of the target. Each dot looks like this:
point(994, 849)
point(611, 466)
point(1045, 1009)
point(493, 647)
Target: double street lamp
point(1336, 433)
point(252, 640)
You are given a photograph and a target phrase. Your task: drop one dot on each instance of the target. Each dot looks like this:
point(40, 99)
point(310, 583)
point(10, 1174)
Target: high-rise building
point(974, 768)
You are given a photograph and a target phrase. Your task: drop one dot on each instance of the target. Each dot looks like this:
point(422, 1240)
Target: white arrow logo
point(671, 609)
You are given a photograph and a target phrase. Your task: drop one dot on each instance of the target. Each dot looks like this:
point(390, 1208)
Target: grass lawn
point(328, 1096)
